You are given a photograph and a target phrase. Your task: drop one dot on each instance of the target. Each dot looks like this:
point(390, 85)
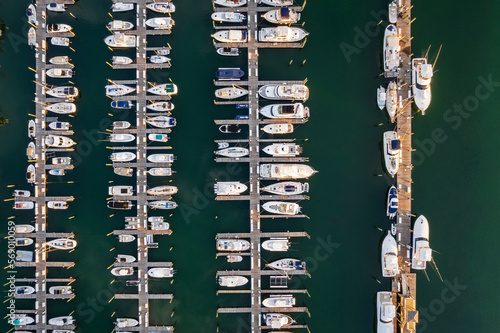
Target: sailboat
point(165, 89)
point(62, 244)
point(230, 3)
point(389, 256)
point(235, 152)
point(161, 121)
point(63, 92)
point(161, 106)
point(287, 265)
point(61, 108)
point(230, 92)
point(118, 90)
point(277, 3)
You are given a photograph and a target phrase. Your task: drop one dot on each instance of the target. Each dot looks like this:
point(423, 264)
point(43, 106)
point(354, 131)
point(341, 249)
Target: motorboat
point(160, 23)
point(59, 41)
point(159, 225)
point(161, 121)
point(118, 90)
point(386, 312)
point(118, 25)
point(122, 104)
point(159, 59)
point(231, 36)
point(61, 331)
point(277, 3)
point(124, 205)
point(284, 92)
point(160, 172)
point(152, 219)
point(21, 194)
point(56, 7)
point(284, 15)
point(421, 252)
point(230, 3)
point(120, 40)
point(389, 256)
point(59, 60)
point(61, 108)
point(126, 238)
point(232, 281)
point(229, 129)
point(163, 51)
point(161, 106)
point(122, 271)
point(228, 51)
point(62, 244)
point(286, 188)
point(158, 137)
point(230, 92)
point(58, 27)
point(126, 172)
point(228, 17)
point(20, 320)
point(121, 7)
point(23, 241)
point(165, 89)
point(381, 97)
point(24, 290)
point(229, 188)
point(31, 128)
point(126, 322)
point(391, 101)
point(121, 190)
point(57, 172)
point(57, 204)
point(233, 245)
point(276, 244)
point(283, 149)
point(421, 74)
point(392, 202)
point(231, 74)
point(281, 207)
point(235, 152)
point(288, 265)
point(162, 204)
point(391, 49)
point(285, 111)
point(59, 141)
point(60, 290)
point(121, 60)
point(161, 272)
point(286, 171)
point(65, 160)
point(161, 158)
point(118, 137)
point(163, 190)
point(393, 12)
point(278, 128)
point(118, 125)
point(59, 125)
point(63, 92)
point(30, 174)
point(24, 229)
point(232, 259)
point(279, 301)
point(31, 151)
point(31, 14)
point(125, 258)
point(32, 36)
point(277, 320)
point(392, 152)
point(24, 205)
point(125, 156)
point(161, 7)
point(282, 34)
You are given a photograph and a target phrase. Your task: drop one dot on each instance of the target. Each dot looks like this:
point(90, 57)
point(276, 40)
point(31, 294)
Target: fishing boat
point(281, 207)
point(276, 244)
point(60, 290)
point(162, 204)
point(118, 90)
point(121, 137)
point(391, 102)
point(165, 89)
point(231, 74)
point(59, 41)
point(61, 108)
point(230, 3)
point(228, 17)
point(381, 97)
point(229, 188)
point(386, 312)
point(123, 156)
point(163, 190)
point(228, 51)
point(121, 60)
point(232, 281)
point(279, 301)
point(231, 36)
point(159, 59)
point(30, 174)
point(286, 171)
point(232, 245)
point(118, 25)
point(56, 7)
point(278, 128)
point(118, 125)
point(59, 141)
point(161, 272)
point(161, 7)
point(59, 125)
point(121, 190)
point(126, 238)
point(62, 244)
point(160, 172)
point(389, 256)
point(159, 225)
point(392, 202)
point(121, 7)
point(63, 92)
point(31, 128)
point(57, 172)
point(161, 106)
point(58, 27)
point(391, 48)
point(282, 34)
point(277, 320)
point(421, 252)
point(31, 14)
point(421, 74)
point(229, 129)
point(161, 158)
point(20, 320)
point(285, 111)
point(66, 160)
point(125, 258)
point(60, 60)
point(233, 152)
point(120, 40)
point(233, 258)
point(288, 265)
point(31, 151)
point(286, 188)
point(393, 12)
point(122, 271)
point(24, 290)
point(57, 204)
point(125, 205)
point(158, 137)
point(160, 23)
point(32, 36)
point(284, 92)
point(161, 121)
point(392, 152)
point(283, 149)
point(22, 241)
point(230, 92)
point(24, 205)
point(285, 15)
point(21, 194)
point(24, 229)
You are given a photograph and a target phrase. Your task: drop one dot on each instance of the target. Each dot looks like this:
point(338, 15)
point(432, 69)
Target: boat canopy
point(396, 144)
point(288, 109)
point(285, 12)
point(228, 73)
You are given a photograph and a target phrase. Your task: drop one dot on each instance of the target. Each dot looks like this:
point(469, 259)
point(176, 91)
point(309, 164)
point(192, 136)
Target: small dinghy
point(165, 89)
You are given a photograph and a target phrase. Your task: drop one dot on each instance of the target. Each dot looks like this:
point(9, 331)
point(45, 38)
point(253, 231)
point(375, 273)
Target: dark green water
point(454, 181)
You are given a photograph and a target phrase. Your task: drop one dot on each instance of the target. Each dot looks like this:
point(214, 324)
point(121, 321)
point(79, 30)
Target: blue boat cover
point(289, 188)
point(242, 106)
point(395, 144)
point(285, 12)
point(229, 73)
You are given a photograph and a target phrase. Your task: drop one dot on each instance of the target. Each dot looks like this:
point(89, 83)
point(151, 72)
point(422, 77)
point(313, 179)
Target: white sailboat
point(165, 89)
point(421, 252)
point(229, 188)
point(285, 171)
point(281, 207)
point(389, 256)
point(391, 49)
point(62, 244)
point(118, 90)
point(63, 92)
point(161, 121)
point(234, 152)
point(286, 188)
point(232, 245)
point(161, 106)
point(230, 92)
point(421, 74)
point(276, 244)
point(287, 264)
point(61, 108)
point(277, 3)
point(232, 281)
point(285, 111)
point(283, 149)
point(392, 152)
point(284, 92)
